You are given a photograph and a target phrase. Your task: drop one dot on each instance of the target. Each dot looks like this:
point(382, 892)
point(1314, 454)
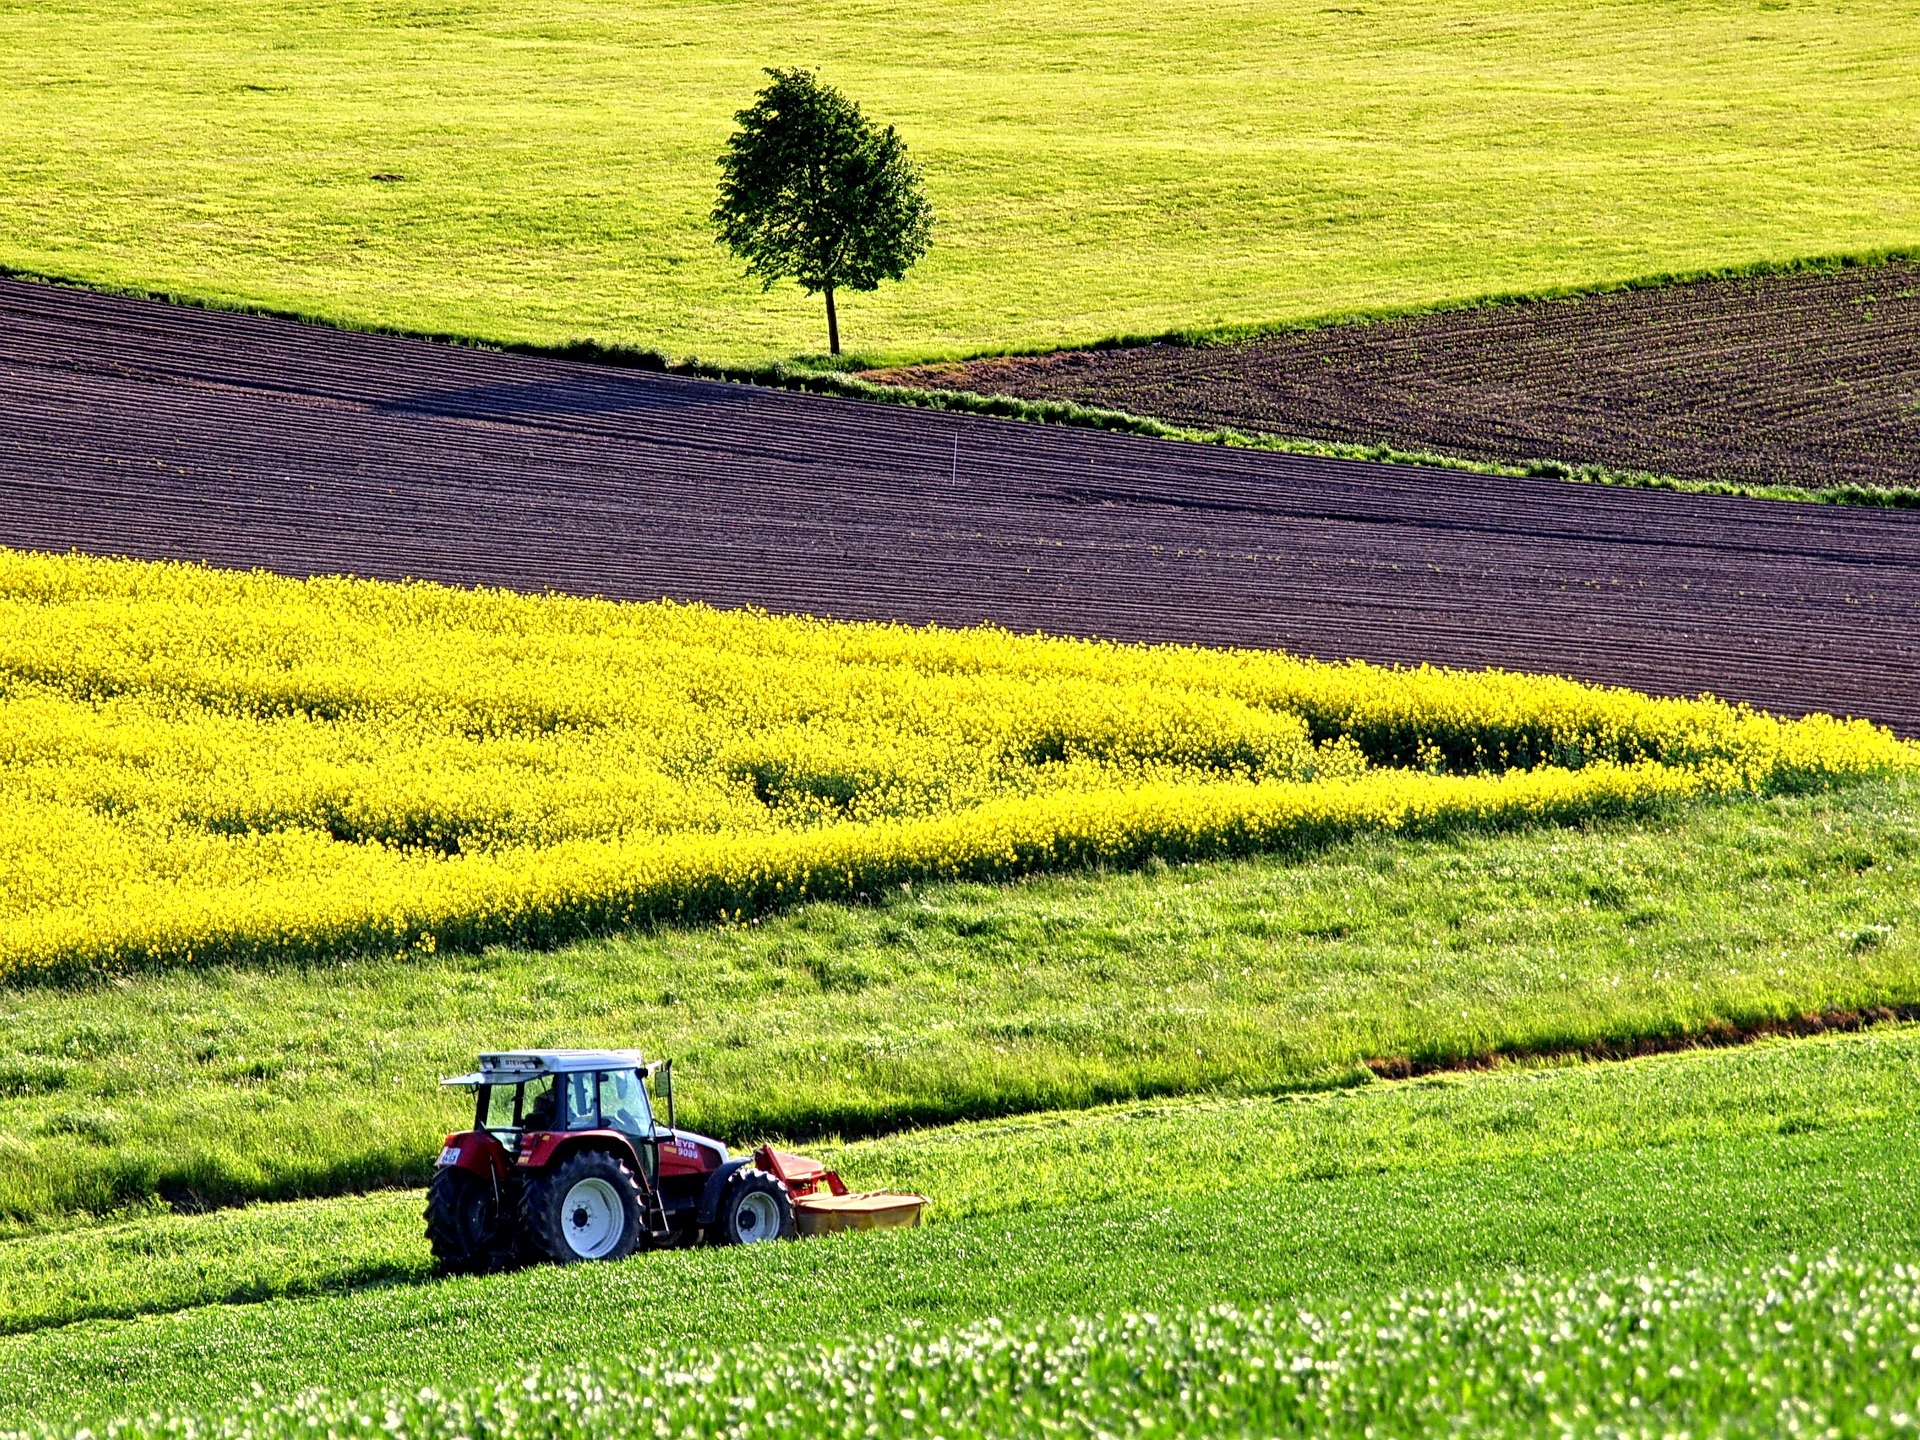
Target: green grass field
point(1818, 1347)
point(969, 1001)
point(1714, 1159)
point(1099, 169)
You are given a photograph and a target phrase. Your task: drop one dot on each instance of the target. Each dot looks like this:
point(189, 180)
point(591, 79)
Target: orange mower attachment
point(822, 1204)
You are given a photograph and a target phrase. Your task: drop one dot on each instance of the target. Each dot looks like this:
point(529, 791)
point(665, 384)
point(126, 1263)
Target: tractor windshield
point(623, 1103)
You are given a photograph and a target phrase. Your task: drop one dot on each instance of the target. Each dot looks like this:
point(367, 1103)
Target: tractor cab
point(534, 1102)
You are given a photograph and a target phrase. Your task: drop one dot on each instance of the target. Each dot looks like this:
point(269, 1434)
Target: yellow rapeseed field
point(201, 765)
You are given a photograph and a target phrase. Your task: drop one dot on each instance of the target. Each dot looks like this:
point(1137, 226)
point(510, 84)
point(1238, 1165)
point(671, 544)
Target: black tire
point(464, 1226)
point(755, 1207)
point(585, 1208)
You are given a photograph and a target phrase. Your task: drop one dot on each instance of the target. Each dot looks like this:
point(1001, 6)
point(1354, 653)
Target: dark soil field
point(139, 429)
point(1805, 379)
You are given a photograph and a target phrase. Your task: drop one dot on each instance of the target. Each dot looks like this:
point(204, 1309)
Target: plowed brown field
point(1809, 379)
point(139, 429)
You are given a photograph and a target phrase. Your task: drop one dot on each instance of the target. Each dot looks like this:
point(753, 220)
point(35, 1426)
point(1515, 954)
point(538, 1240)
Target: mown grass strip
point(1716, 1035)
point(1093, 417)
point(1067, 1160)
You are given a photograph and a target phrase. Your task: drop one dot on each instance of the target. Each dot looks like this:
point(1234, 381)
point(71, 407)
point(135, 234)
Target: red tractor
point(567, 1162)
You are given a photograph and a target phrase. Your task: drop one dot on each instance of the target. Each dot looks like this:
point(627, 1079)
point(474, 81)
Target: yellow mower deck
point(869, 1210)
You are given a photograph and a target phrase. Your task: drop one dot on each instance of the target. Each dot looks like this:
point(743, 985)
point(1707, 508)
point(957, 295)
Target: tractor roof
point(512, 1067)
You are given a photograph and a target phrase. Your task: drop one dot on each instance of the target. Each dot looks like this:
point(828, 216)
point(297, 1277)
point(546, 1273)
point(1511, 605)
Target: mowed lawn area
point(1099, 168)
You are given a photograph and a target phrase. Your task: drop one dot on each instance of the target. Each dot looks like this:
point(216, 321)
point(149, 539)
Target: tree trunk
point(833, 325)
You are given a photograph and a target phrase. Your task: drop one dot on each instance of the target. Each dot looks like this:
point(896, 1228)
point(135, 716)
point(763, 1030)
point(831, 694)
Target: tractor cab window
point(500, 1107)
point(623, 1103)
point(582, 1113)
point(539, 1101)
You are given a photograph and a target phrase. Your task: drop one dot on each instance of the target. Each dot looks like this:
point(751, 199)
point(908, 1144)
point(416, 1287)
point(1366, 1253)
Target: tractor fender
point(715, 1187)
point(553, 1146)
point(477, 1151)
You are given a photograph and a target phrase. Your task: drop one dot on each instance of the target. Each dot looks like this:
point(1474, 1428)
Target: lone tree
point(813, 189)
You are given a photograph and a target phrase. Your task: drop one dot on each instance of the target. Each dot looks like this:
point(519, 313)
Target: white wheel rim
point(592, 1219)
point(758, 1218)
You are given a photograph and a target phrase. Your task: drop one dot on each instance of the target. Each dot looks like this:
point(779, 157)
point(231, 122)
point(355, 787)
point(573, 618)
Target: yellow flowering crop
point(205, 765)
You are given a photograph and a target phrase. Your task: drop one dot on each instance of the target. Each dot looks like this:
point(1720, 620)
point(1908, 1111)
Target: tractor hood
point(691, 1151)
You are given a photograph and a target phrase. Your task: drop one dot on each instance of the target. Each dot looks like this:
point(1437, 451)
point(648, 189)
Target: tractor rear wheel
point(585, 1208)
point(755, 1207)
point(464, 1226)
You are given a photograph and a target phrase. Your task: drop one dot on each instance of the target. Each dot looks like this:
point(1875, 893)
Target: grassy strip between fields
point(1093, 417)
point(1709, 1158)
point(1067, 412)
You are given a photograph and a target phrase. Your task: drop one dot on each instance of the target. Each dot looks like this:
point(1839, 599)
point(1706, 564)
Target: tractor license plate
point(450, 1155)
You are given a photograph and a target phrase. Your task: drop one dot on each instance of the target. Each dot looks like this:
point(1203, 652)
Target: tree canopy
point(813, 190)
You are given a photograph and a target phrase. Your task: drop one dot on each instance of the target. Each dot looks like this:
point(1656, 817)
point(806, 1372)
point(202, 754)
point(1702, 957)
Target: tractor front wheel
point(755, 1207)
point(464, 1226)
point(586, 1208)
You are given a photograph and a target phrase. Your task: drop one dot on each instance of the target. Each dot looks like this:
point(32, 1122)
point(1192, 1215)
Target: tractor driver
point(538, 1111)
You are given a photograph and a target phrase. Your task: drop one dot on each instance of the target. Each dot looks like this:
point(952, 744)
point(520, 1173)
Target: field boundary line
point(1068, 412)
point(586, 348)
point(1716, 1034)
point(1234, 334)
